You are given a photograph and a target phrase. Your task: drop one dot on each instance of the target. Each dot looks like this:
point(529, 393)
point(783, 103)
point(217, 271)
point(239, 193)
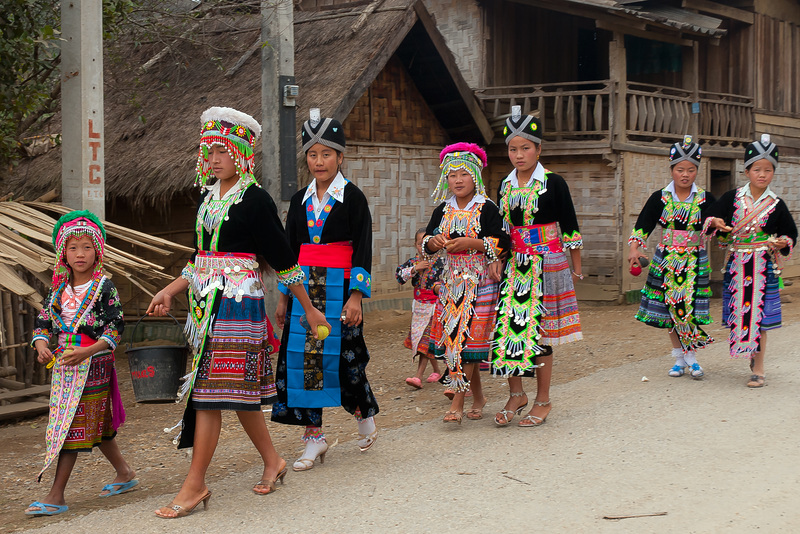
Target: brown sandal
point(181, 511)
point(757, 381)
point(453, 417)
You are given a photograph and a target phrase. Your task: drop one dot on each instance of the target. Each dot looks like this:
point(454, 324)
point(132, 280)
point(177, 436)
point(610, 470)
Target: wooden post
point(8, 324)
point(691, 82)
point(618, 72)
point(22, 363)
point(83, 167)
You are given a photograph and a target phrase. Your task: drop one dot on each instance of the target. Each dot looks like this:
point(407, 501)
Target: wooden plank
point(722, 10)
point(23, 409)
point(27, 392)
point(643, 33)
point(633, 113)
point(651, 113)
point(584, 113)
point(598, 112)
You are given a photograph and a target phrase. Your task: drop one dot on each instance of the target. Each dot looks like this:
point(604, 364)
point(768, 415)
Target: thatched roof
point(150, 117)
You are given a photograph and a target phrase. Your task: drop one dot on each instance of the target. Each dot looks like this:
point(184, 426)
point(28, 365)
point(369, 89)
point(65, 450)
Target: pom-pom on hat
point(468, 156)
point(525, 126)
point(234, 130)
point(764, 149)
point(325, 131)
point(76, 224)
point(687, 150)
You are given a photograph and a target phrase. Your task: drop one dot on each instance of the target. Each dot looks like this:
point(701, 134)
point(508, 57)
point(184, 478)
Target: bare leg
point(256, 428)
point(758, 357)
point(435, 366)
point(457, 404)
point(478, 398)
point(543, 377)
point(423, 362)
point(516, 400)
point(673, 337)
point(206, 437)
point(111, 451)
point(66, 462)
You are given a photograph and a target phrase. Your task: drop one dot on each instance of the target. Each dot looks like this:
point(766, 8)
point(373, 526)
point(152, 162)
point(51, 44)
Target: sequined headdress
point(76, 224)
point(322, 130)
point(688, 150)
point(234, 130)
point(525, 126)
point(468, 156)
point(764, 149)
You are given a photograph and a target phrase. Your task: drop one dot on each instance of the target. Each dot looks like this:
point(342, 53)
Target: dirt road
point(712, 455)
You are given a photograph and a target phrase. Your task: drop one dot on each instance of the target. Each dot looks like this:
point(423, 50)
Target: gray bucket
point(156, 371)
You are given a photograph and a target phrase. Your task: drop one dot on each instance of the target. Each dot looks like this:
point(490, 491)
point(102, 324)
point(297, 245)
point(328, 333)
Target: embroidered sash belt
point(333, 255)
point(681, 238)
point(535, 239)
point(749, 242)
point(234, 273)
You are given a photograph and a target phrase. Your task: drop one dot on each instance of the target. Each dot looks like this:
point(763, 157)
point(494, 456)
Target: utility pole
point(83, 167)
point(278, 98)
point(278, 101)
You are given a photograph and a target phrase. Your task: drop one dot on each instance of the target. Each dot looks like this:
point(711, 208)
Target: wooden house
point(616, 82)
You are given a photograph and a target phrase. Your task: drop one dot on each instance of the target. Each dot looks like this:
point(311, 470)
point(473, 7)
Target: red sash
point(333, 255)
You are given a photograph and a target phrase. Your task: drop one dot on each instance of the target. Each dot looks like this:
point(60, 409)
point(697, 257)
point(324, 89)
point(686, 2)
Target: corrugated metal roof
point(657, 12)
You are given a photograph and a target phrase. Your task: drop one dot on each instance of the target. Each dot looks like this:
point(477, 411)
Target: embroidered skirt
point(235, 372)
point(561, 322)
point(422, 318)
point(92, 422)
point(654, 309)
point(478, 342)
point(733, 304)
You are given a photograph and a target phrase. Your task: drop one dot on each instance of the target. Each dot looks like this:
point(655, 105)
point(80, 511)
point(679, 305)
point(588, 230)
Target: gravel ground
point(709, 455)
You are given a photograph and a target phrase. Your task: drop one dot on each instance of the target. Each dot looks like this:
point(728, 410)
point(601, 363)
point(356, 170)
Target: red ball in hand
point(636, 270)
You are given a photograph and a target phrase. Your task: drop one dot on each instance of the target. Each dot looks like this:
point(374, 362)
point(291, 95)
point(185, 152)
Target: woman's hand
point(496, 270)
point(720, 225)
point(351, 312)
point(315, 319)
point(160, 305)
point(75, 355)
point(437, 242)
point(778, 244)
point(43, 353)
point(280, 311)
point(421, 266)
point(633, 255)
point(460, 244)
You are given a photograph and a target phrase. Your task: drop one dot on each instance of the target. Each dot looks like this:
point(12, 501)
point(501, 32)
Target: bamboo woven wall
point(397, 182)
point(393, 111)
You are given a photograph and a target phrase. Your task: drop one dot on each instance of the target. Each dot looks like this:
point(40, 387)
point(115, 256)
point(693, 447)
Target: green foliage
point(29, 60)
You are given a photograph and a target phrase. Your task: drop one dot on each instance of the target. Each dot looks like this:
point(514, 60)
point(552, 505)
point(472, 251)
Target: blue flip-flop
point(119, 487)
point(43, 509)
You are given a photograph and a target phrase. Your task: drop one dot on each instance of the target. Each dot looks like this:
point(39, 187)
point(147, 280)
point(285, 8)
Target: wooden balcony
point(581, 115)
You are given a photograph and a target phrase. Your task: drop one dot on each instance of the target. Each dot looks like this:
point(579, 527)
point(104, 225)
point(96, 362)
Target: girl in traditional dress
point(424, 274)
point(330, 228)
point(227, 327)
point(676, 294)
point(84, 311)
point(469, 228)
point(758, 229)
point(537, 307)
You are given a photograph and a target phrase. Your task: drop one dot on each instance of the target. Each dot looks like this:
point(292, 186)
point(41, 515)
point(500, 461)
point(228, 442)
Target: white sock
point(679, 357)
point(313, 449)
point(366, 426)
point(690, 357)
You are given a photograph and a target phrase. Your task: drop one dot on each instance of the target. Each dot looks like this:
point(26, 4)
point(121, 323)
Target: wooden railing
point(584, 111)
point(568, 111)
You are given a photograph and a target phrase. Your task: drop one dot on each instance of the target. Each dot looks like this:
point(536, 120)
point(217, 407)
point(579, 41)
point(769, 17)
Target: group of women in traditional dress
point(503, 292)
point(753, 224)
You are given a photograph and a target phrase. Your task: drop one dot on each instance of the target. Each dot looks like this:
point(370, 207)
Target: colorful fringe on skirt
point(676, 295)
point(749, 306)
